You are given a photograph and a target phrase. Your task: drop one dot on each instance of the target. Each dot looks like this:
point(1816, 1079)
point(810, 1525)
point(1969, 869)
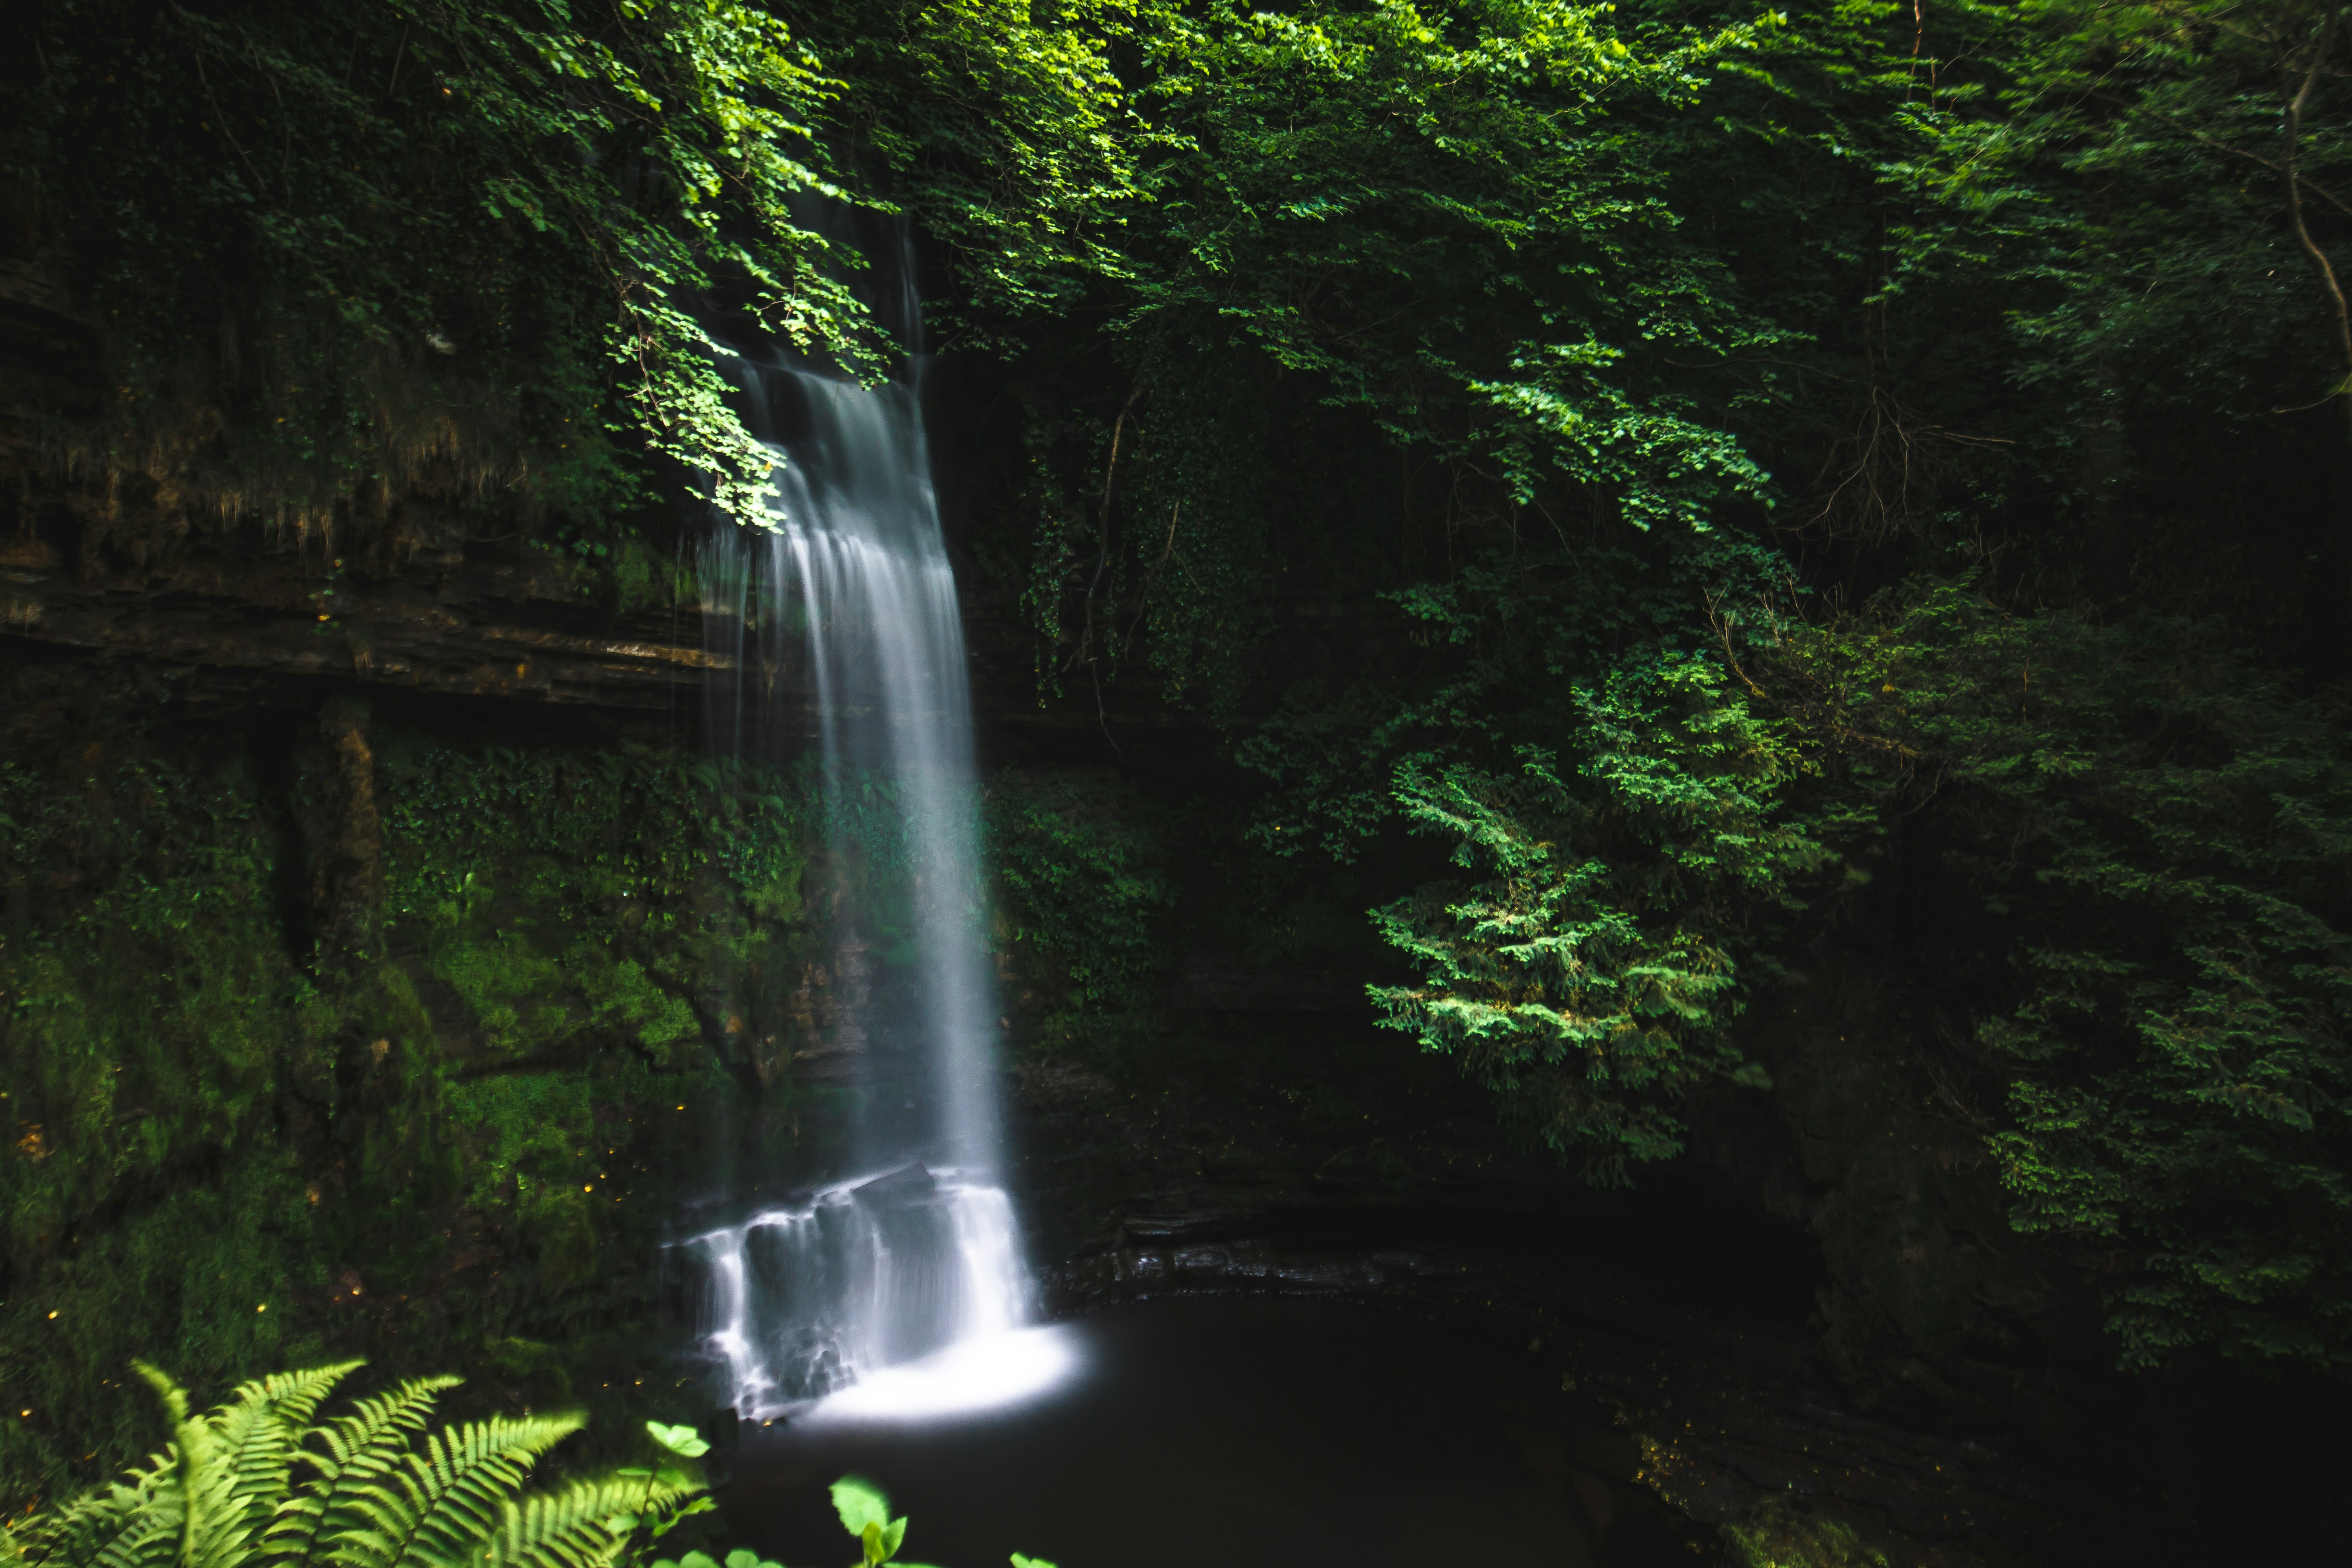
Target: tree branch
point(2322, 192)
point(2294, 210)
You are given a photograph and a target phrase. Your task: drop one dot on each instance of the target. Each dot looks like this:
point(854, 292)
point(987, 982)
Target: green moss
point(231, 1149)
point(154, 1011)
point(521, 1129)
point(1779, 1535)
point(644, 578)
point(211, 1274)
point(534, 1364)
point(1081, 898)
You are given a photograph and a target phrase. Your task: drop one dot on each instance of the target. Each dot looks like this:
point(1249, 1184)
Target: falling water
point(909, 1293)
point(846, 613)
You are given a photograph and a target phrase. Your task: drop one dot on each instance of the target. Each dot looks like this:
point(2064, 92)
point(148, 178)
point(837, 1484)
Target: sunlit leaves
point(865, 1514)
point(1582, 966)
point(683, 1441)
point(462, 246)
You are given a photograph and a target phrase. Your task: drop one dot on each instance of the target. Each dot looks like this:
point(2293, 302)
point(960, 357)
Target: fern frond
point(238, 1458)
point(151, 1536)
point(375, 1422)
point(295, 1396)
point(253, 1439)
point(380, 1491)
point(349, 1454)
point(133, 1522)
point(574, 1527)
point(441, 1504)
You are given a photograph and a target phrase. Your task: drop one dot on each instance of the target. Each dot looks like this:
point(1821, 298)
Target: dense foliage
point(1573, 353)
point(1677, 499)
point(2158, 834)
point(430, 248)
point(1588, 978)
point(1081, 896)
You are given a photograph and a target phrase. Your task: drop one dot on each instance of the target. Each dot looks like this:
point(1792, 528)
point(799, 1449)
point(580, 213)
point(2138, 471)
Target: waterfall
point(915, 1278)
point(846, 613)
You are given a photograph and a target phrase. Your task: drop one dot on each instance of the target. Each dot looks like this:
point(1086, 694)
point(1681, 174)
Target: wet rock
point(722, 1428)
point(347, 866)
point(901, 1186)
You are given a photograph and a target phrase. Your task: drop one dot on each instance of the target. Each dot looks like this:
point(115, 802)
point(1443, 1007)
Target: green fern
point(350, 1455)
point(254, 1483)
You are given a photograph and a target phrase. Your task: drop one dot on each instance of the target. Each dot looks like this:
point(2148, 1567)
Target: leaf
point(350, 1454)
point(563, 1529)
point(670, 1518)
point(683, 1441)
point(1021, 1562)
point(443, 1500)
point(859, 1505)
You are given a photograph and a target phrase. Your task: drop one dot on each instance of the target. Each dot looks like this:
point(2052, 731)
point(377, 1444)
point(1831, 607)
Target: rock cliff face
point(425, 613)
point(410, 590)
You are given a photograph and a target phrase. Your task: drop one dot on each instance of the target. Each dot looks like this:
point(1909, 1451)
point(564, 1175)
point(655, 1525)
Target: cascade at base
point(874, 1274)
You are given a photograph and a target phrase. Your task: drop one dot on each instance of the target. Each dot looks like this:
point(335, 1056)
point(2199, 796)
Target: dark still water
point(1234, 1432)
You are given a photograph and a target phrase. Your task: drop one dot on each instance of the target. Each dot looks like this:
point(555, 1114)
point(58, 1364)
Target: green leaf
point(673, 1518)
point(859, 1505)
point(1021, 1562)
point(683, 1441)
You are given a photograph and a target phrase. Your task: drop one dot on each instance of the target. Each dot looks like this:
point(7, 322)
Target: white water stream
point(896, 1307)
point(907, 1296)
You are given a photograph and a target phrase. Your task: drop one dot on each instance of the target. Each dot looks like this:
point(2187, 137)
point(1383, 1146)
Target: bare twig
point(1083, 653)
point(392, 85)
point(1143, 595)
point(1918, 38)
point(2294, 210)
point(260, 185)
point(1723, 629)
point(1877, 464)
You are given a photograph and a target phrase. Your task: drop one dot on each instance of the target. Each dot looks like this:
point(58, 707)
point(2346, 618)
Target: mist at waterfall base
point(1244, 1432)
point(901, 1289)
